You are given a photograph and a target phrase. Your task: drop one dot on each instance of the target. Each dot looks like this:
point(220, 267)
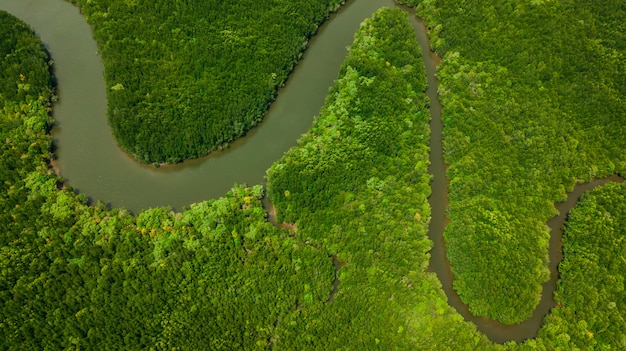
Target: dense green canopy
point(591, 296)
point(533, 96)
point(219, 275)
point(185, 77)
point(520, 130)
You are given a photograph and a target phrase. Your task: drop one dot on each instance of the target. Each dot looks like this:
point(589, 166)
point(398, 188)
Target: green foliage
point(72, 276)
point(25, 71)
point(411, 3)
point(532, 98)
point(356, 185)
point(83, 277)
point(590, 292)
point(185, 77)
point(24, 141)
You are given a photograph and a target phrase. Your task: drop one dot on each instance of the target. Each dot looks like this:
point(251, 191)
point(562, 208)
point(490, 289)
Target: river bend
point(91, 162)
point(495, 331)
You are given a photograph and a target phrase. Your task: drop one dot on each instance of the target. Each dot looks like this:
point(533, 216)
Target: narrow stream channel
point(494, 330)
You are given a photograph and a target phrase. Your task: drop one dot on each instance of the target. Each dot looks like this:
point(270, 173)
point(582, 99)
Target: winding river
point(438, 200)
point(91, 162)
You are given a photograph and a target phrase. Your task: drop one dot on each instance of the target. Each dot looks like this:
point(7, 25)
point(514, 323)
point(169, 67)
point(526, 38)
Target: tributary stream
point(438, 200)
point(90, 161)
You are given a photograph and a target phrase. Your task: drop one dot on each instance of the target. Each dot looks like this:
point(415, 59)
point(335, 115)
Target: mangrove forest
point(522, 101)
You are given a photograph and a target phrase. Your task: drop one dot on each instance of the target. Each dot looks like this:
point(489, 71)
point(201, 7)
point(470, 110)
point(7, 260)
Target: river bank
point(91, 162)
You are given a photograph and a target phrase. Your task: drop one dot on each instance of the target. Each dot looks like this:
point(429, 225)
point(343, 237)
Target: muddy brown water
point(438, 200)
point(91, 162)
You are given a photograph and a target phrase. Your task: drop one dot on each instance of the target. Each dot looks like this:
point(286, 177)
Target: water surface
point(90, 160)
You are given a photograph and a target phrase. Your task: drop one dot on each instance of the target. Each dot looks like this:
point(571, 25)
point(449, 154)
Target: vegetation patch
point(357, 185)
point(590, 294)
point(185, 77)
point(533, 103)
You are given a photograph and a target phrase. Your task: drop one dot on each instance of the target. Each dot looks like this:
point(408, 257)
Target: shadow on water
point(337, 264)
